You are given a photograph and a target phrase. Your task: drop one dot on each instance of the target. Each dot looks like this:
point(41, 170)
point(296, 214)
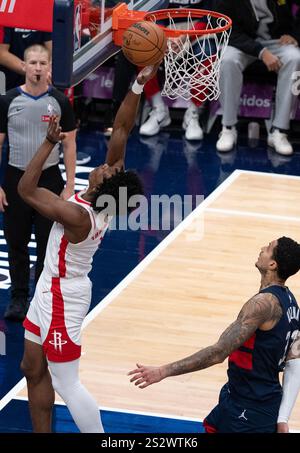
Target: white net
point(192, 62)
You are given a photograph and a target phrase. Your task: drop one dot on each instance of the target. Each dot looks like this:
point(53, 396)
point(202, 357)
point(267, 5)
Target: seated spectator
point(268, 31)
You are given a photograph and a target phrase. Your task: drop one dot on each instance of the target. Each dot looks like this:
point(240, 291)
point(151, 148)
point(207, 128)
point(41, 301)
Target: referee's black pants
point(19, 220)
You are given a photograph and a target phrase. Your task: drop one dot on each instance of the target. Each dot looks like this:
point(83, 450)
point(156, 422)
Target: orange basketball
point(144, 43)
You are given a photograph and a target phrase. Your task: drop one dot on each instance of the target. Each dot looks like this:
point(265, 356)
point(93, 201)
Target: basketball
point(144, 43)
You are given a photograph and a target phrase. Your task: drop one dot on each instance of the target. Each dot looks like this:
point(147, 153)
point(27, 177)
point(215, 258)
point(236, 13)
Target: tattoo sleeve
point(261, 308)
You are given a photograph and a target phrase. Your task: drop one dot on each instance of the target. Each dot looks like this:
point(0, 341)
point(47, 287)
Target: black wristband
point(51, 141)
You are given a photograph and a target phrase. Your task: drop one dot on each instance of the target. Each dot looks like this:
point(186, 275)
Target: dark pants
point(19, 218)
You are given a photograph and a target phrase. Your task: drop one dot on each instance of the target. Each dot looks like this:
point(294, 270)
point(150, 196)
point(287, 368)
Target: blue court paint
point(18, 420)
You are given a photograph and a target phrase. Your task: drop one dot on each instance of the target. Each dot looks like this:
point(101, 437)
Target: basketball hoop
point(197, 40)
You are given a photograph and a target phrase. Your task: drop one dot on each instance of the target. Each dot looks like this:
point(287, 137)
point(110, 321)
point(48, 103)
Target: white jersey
point(67, 260)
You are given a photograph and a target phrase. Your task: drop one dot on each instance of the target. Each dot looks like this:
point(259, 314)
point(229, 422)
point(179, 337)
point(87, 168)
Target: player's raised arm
point(125, 118)
point(260, 309)
point(48, 204)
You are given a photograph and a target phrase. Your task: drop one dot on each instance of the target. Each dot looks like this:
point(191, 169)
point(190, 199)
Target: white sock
point(81, 404)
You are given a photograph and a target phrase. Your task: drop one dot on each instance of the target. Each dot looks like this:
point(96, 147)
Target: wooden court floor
point(185, 294)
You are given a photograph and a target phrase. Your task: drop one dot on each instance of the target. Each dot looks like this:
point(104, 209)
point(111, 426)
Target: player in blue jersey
point(256, 345)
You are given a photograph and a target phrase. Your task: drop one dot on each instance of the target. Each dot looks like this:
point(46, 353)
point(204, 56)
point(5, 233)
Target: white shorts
point(56, 314)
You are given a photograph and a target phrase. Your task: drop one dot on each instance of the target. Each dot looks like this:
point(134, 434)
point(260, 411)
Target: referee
point(24, 116)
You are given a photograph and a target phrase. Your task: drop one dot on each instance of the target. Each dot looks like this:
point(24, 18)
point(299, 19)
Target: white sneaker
point(191, 126)
point(278, 140)
point(227, 139)
point(157, 118)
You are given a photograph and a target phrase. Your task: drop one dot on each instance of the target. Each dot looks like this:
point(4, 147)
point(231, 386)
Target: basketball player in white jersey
point(63, 293)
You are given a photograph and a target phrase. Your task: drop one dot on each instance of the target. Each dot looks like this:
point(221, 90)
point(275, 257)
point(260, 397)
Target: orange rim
point(184, 13)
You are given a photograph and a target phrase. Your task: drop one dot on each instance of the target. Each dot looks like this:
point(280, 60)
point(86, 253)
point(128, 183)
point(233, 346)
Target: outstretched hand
point(147, 73)
point(54, 133)
point(146, 375)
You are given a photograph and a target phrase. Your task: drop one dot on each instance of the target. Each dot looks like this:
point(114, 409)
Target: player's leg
point(82, 406)
point(231, 80)
point(63, 349)
point(286, 97)
point(40, 391)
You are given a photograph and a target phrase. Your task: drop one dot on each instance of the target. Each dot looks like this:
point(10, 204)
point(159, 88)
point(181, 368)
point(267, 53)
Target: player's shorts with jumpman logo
point(236, 416)
point(56, 314)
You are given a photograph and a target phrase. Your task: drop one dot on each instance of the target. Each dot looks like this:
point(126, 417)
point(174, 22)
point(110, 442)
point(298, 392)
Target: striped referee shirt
point(24, 118)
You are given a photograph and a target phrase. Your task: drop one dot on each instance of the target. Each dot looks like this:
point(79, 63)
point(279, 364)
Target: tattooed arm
point(291, 386)
point(261, 311)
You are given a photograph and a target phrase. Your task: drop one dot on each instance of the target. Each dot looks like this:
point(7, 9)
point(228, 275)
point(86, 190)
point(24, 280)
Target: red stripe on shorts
point(58, 346)
point(28, 325)
point(209, 428)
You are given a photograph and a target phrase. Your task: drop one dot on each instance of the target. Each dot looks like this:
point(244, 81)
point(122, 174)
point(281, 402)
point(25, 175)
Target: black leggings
point(19, 218)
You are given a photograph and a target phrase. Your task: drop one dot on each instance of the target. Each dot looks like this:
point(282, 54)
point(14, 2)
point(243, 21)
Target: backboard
point(69, 20)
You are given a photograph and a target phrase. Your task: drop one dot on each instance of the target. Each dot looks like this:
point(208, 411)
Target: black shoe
point(17, 309)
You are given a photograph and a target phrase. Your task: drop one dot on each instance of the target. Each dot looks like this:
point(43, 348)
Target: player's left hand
point(146, 375)
point(147, 73)
point(282, 428)
point(288, 39)
point(54, 132)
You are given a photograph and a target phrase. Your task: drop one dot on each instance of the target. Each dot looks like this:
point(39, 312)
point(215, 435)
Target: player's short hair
point(111, 186)
point(37, 48)
point(287, 256)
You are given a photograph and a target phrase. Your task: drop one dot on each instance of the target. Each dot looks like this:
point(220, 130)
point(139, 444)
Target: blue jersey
point(254, 367)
